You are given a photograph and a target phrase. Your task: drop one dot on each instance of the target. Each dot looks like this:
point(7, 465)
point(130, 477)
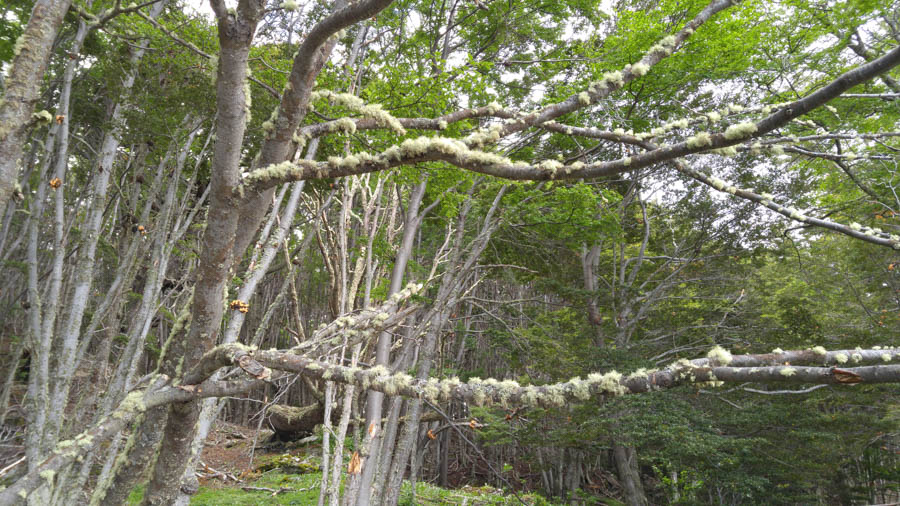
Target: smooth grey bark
point(12, 366)
point(629, 475)
point(362, 482)
point(41, 382)
point(23, 84)
point(589, 261)
point(216, 259)
point(463, 259)
point(309, 60)
point(262, 259)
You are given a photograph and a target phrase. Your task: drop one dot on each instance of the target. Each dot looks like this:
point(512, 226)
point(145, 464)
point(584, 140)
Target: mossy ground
point(293, 471)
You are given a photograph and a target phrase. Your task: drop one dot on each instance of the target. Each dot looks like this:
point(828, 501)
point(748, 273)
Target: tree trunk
point(216, 260)
point(629, 474)
point(23, 85)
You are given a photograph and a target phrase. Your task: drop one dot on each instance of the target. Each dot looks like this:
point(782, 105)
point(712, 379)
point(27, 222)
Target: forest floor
point(233, 473)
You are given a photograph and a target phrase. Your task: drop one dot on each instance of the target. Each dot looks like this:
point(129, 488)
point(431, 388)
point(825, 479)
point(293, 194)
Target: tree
point(645, 98)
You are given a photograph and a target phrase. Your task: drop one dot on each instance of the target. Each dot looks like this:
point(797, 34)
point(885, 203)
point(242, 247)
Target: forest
point(620, 252)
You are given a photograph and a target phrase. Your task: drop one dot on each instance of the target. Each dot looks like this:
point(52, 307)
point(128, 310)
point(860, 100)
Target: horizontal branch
point(439, 123)
point(461, 154)
point(718, 366)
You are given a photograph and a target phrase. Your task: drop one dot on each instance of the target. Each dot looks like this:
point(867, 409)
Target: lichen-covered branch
point(353, 328)
point(876, 365)
point(867, 366)
point(158, 393)
point(855, 230)
point(467, 156)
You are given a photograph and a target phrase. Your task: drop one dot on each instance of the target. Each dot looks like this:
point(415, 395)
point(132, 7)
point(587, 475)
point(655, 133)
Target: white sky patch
point(202, 8)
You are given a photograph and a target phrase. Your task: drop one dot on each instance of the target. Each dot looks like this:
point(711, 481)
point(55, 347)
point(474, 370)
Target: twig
point(275, 492)
point(11, 466)
point(779, 392)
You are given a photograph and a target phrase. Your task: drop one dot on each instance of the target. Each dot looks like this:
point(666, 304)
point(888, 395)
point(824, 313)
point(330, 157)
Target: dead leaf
point(355, 464)
point(844, 376)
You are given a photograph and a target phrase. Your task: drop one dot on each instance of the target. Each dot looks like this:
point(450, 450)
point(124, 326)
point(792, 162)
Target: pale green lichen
point(432, 389)
point(610, 382)
point(857, 358)
point(717, 183)
point(886, 357)
point(18, 45)
point(841, 358)
point(639, 374)
point(584, 98)
point(530, 396)
point(580, 388)
point(447, 387)
point(374, 111)
point(726, 151)
point(787, 371)
point(719, 355)
point(48, 475)
point(478, 396)
point(380, 370)
point(626, 161)
point(248, 98)
point(554, 396)
point(43, 117)
point(133, 403)
point(819, 350)
point(614, 78)
point(387, 386)
point(345, 125)
point(23, 494)
point(699, 140)
point(289, 5)
point(213, 68)
point(777, 350)
point(551, 166)
point(740, 130)
point(349, 373)
point(640, 68)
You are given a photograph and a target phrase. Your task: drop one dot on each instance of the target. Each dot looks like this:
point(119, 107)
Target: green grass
point(425, 493)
